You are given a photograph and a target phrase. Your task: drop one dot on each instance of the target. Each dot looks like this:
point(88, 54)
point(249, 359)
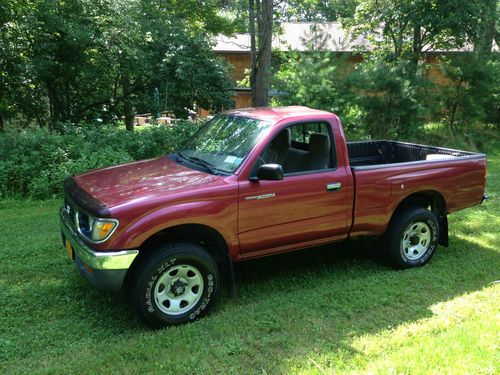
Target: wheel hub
point(416, 240)
point(178, 287)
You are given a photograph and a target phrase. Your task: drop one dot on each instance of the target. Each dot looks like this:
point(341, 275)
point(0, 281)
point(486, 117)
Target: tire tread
point(390, 244)
point(148, 264)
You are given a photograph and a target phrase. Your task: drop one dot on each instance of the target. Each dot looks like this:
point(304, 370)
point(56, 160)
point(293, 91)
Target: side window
point(301, 148)
point(302, 132)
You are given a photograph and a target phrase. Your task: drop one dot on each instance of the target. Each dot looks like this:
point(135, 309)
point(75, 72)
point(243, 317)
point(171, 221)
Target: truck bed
point(377, 153)
point(386, 172)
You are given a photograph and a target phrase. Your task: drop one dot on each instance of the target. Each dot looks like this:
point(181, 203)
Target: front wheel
point(176, 285)
point(411, 239)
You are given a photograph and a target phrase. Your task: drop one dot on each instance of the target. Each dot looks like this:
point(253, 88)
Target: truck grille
point(70, 210)
point(80, 220)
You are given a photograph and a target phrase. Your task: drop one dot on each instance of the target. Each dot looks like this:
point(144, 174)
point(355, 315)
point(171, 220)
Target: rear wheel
point(176, 285)
point(411, 239)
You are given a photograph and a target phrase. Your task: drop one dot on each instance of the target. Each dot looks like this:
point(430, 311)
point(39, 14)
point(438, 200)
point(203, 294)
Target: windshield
point(222, 144)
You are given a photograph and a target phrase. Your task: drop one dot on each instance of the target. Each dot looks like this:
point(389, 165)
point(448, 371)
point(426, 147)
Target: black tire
point(175, 285)
point(411, 238)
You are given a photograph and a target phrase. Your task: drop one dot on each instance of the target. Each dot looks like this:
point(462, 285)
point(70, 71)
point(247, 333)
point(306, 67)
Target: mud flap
point(443, 230)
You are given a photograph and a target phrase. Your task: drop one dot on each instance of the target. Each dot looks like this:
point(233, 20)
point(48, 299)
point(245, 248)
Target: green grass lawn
point(325, 310)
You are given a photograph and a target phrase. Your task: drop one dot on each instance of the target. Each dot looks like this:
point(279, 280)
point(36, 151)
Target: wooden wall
point(434, 72)
point(241, 62)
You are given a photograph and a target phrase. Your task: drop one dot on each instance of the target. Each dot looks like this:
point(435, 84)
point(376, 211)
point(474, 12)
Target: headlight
point(94, 229)
point(103, 228)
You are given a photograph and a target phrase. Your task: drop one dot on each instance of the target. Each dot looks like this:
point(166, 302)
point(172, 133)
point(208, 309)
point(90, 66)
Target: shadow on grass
point(320, 298)
point(289, 305)
point(353, 260)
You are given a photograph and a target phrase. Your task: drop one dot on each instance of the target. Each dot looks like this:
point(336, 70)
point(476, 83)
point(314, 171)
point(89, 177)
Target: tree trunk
point(253, 48)
point(260, 13)
point(416, 49)
point(1, 122)
point(56, 105)
point(485, 40)
point(127, 103)
point(265, 22)
point(454, 108)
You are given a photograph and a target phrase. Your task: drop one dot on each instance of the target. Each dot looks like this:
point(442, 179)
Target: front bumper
point(104, 269)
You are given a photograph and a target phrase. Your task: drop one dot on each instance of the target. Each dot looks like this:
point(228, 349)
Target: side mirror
point(269, 172)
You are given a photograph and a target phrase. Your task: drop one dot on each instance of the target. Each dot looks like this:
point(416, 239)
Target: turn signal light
point(103, 228)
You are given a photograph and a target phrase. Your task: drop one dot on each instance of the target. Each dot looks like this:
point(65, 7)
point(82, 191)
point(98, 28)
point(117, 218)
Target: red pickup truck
point(252, 183)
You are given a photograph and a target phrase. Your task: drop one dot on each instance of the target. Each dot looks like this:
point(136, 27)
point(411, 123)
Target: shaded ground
point(334, 308)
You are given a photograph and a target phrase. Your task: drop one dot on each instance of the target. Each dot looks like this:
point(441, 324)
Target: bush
point(473, 94)
point(318, 80)
point(375, 98)
point(478, 137)
point(392, 100)
point(34, 163)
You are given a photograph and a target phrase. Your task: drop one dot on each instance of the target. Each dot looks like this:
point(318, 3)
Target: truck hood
point(120, 184)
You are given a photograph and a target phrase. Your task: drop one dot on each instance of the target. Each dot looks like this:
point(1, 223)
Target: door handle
point(334, 186)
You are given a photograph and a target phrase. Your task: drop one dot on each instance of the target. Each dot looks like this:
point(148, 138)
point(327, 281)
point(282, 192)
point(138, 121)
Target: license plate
point(69, 249)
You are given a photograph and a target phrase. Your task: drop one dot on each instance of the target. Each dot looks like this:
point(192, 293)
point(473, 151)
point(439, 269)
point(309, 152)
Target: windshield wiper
point(179, 156)
point(208, 166)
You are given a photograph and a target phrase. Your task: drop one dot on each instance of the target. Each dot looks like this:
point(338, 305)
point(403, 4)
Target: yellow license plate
point(69, 249)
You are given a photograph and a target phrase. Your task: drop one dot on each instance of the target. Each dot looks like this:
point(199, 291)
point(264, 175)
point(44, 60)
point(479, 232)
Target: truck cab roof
point(276, 114)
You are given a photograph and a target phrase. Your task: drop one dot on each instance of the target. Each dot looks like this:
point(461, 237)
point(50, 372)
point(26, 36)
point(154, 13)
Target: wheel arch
point(432, 200)
point(205, 236)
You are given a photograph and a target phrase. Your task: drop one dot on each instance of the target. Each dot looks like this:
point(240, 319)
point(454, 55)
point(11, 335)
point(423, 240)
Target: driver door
point(307, 207)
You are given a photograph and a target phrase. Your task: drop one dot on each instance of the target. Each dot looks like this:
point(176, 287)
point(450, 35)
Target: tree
point(401, 32)
point(237, 11)
point(154, 44)
point(325, 88)
point(314, 10)
point(409, 28)
point(261, 34)
point(9, 69)
point(487, 27)
point(18, 91)
point(81, 60)
point(473, 94)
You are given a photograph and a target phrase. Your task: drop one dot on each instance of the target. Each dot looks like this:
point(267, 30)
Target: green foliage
point(315, 10)
point(391, 100)
point(476, 137)
point(388, 93)
point(473, 93)
point(375, 98)
point(405, 28)
point(236, 11)
point(382, 98)
point(312, 79)
point(34, 163)
point(317, 80)
point(79, 60)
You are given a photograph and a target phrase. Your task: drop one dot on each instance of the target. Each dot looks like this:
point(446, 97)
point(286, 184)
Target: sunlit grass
point(329, 310)
point(461, 336)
